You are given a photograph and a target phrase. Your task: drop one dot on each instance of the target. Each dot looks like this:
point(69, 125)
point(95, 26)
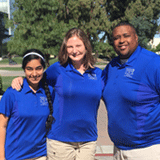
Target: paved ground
point(104, 144)
point(11, 73)
point(20, 73)
point(104, 158)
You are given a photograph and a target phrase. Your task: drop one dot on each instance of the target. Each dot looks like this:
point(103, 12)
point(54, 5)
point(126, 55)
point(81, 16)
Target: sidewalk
point(104, 149)
point(104, 152)
point(11, 73)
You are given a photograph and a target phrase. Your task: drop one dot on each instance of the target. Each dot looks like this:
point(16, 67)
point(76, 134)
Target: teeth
point(123, 47)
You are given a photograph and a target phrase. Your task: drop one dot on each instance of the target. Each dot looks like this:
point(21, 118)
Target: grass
point(11, 68)
point(19, 60)
point(6, 81)
point(53, 60)
point(16, 59)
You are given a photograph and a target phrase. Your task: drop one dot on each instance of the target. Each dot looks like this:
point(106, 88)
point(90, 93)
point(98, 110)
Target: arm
point(17, 83)
point(3, 125)
point(52, 73)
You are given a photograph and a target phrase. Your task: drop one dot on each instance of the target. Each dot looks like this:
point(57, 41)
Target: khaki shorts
point(148, 153)
point(57, 150)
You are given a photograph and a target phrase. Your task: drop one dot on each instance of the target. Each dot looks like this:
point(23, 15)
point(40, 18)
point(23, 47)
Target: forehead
point(123, 29)
point(74, 39)
point(34, 62)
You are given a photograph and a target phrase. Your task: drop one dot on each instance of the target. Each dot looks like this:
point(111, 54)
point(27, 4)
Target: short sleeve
point(7, 102)
point(105, 74)
point(52, 73)
point(152, 74)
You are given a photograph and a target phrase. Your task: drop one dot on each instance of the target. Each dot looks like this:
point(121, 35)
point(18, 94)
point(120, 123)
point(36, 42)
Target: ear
point(136, 36)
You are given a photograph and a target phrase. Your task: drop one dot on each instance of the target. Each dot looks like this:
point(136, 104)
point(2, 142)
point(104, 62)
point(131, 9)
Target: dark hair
point(31, 57)
point(124, 23)
point(88, 60)
point(45, 85)
point(50, 118)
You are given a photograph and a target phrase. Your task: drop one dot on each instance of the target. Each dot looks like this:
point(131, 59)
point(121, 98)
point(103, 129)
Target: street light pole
point(9, 15)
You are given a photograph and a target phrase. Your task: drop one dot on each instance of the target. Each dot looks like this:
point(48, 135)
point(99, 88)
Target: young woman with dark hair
point(24, 115)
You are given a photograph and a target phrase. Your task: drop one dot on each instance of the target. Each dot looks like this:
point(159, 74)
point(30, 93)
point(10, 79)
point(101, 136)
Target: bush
point(1, 86)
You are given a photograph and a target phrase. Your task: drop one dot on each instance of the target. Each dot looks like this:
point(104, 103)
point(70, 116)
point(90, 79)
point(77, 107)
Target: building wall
point(4, 6)
point(154, 42)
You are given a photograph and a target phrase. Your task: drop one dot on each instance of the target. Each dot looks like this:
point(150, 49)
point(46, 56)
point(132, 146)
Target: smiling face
point(76, 49)
point(34, 72)
point(125, 41)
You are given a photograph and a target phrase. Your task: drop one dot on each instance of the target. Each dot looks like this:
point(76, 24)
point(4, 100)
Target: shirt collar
point(132, 58)
point(27, 89)
point(70, 67)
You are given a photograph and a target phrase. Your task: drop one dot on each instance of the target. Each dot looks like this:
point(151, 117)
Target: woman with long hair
point(78, 89)
point(24, 114)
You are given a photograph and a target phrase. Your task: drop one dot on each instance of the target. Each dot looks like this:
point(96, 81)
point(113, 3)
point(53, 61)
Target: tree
point(145, 21)
point(143, 27)
point(103, 48)
point(36, 27)
point(134, 11)
point(158, 48)
point(3, 30)
point(42, 24)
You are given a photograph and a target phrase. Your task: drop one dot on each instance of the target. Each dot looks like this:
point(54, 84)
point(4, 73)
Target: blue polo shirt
point(132, 98)
point(76, 102)
point(27, 112)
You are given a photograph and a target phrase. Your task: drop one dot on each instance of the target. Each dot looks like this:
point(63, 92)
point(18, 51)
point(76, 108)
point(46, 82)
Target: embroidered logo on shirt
point(43, 101)
point(129, 72)
point(92, 76)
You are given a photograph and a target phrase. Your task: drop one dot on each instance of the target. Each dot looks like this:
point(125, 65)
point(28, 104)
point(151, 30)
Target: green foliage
point(158, 31)
point(146, 12)
point(158, 47)
point(3, 31)
point(1, 83)
point(42, 24)
point(105, 49)
point(3, 35)
point(143, 27)
point(1, 86)
point(4, 50)
point(36, 27)
point(6, 81)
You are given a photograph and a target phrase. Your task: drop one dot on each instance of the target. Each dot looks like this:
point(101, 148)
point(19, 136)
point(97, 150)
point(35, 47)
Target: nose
point(34, 73)
point(74, 50)
point(122, 39)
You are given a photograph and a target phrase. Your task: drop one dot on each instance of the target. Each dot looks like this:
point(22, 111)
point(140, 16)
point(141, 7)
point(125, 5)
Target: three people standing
point(131, 95)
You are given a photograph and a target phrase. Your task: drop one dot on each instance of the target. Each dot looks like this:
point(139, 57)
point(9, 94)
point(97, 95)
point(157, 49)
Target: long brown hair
point(88, 60)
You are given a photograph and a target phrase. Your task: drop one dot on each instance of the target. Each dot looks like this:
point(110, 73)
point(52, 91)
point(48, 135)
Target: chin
point(77, 59)
point(35, 82)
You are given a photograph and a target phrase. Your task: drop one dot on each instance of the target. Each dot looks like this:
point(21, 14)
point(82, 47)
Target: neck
point(123, 60)
point(34, 87)
point(79, 66)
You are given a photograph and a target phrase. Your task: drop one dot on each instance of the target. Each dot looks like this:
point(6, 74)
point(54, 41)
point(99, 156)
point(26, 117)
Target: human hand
point(17, 83)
